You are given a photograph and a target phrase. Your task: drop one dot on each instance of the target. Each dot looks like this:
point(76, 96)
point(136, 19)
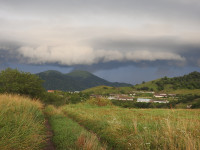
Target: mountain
point(190, 81)
point(74, 81)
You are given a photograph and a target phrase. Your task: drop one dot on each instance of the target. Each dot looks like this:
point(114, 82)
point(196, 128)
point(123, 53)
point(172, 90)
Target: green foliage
point(197, 104)
point(59, 98)
point(145, 88)
point(54, 99)
point(190, 81)
point(189, 99)
point(16, 82)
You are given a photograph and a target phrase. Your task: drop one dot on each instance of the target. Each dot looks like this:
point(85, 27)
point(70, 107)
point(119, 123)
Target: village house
point(51, 91)
point(144, 100)
point(120, 97)
point(173, 95)
point(155, 101)
point(125, 98)
point(160, 95)
point(132, 94)
point(112, 97)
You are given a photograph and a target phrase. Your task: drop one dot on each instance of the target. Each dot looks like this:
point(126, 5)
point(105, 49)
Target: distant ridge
point(74, 81)
point(190, 81)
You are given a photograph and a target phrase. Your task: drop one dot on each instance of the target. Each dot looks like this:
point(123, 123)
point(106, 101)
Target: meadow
point(21, 123)
point(23, 127)
point(69, 134)
point(95, 125)
point(124, 128)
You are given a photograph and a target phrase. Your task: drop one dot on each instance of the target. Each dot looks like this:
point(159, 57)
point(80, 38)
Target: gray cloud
point(179, 8)
point(90, 33)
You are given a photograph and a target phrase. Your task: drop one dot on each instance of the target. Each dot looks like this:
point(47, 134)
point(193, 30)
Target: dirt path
point(50, 145)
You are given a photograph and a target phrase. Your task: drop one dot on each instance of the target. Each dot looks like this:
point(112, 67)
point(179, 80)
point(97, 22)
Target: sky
point(121, 41)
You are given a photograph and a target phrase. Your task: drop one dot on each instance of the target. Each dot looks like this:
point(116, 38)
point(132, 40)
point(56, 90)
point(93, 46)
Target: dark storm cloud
point(100, 34)
point(8, 51)
point(188, 50)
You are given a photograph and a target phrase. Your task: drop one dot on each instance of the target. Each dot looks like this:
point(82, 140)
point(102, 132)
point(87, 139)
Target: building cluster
point(146, 100)
point(156, 98)
point(163, 95)
point(120, 97)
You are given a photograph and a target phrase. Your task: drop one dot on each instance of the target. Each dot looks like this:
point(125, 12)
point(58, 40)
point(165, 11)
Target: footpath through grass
point(21, 123)
point(69, 134)
point(140, 128)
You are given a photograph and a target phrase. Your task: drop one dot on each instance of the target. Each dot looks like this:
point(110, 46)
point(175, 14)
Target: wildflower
point(148, 143)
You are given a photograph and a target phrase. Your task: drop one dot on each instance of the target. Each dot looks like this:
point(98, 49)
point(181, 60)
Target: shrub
point(99, 101)
point(15, 82)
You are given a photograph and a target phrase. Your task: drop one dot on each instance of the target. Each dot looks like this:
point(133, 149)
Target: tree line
point(13, 81)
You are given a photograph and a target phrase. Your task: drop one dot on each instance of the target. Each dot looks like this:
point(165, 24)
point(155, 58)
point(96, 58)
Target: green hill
point(74, 81)
point(105, 90)
point(185, 83)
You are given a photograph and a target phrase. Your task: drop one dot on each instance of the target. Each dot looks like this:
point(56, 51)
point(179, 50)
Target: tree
point(16, 82)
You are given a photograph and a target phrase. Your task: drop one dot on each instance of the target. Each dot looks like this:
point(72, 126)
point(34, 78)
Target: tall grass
point(21, 123)
point(140, 128)
point(99, 102)
point(69, 134)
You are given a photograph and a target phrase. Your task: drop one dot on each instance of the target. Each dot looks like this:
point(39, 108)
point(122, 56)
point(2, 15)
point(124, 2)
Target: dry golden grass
point(140, 128)
point(88, 142)
point(21, 123)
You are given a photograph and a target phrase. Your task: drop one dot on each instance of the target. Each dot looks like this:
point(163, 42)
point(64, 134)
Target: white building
point(120, 97)
point(111, 97)
point(161, 102)
point(159, 96)
point(144, 100)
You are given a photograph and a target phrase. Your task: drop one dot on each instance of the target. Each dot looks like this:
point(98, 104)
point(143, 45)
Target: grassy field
point(105, 90)
point(96, 125)
point(140, 128)
point(69, 134)
point(21, 123)
point(186, 91)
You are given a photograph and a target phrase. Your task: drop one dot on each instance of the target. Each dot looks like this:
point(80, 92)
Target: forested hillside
point(74, 81)
point(190, 81)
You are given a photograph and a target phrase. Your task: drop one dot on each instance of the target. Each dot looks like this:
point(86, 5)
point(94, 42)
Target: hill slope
point(190, 82)
point(105, 90)
point(74, 81)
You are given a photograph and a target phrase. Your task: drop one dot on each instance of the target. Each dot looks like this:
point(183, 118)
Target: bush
point(53, 99)
point(99, 101)
point(16, 82)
